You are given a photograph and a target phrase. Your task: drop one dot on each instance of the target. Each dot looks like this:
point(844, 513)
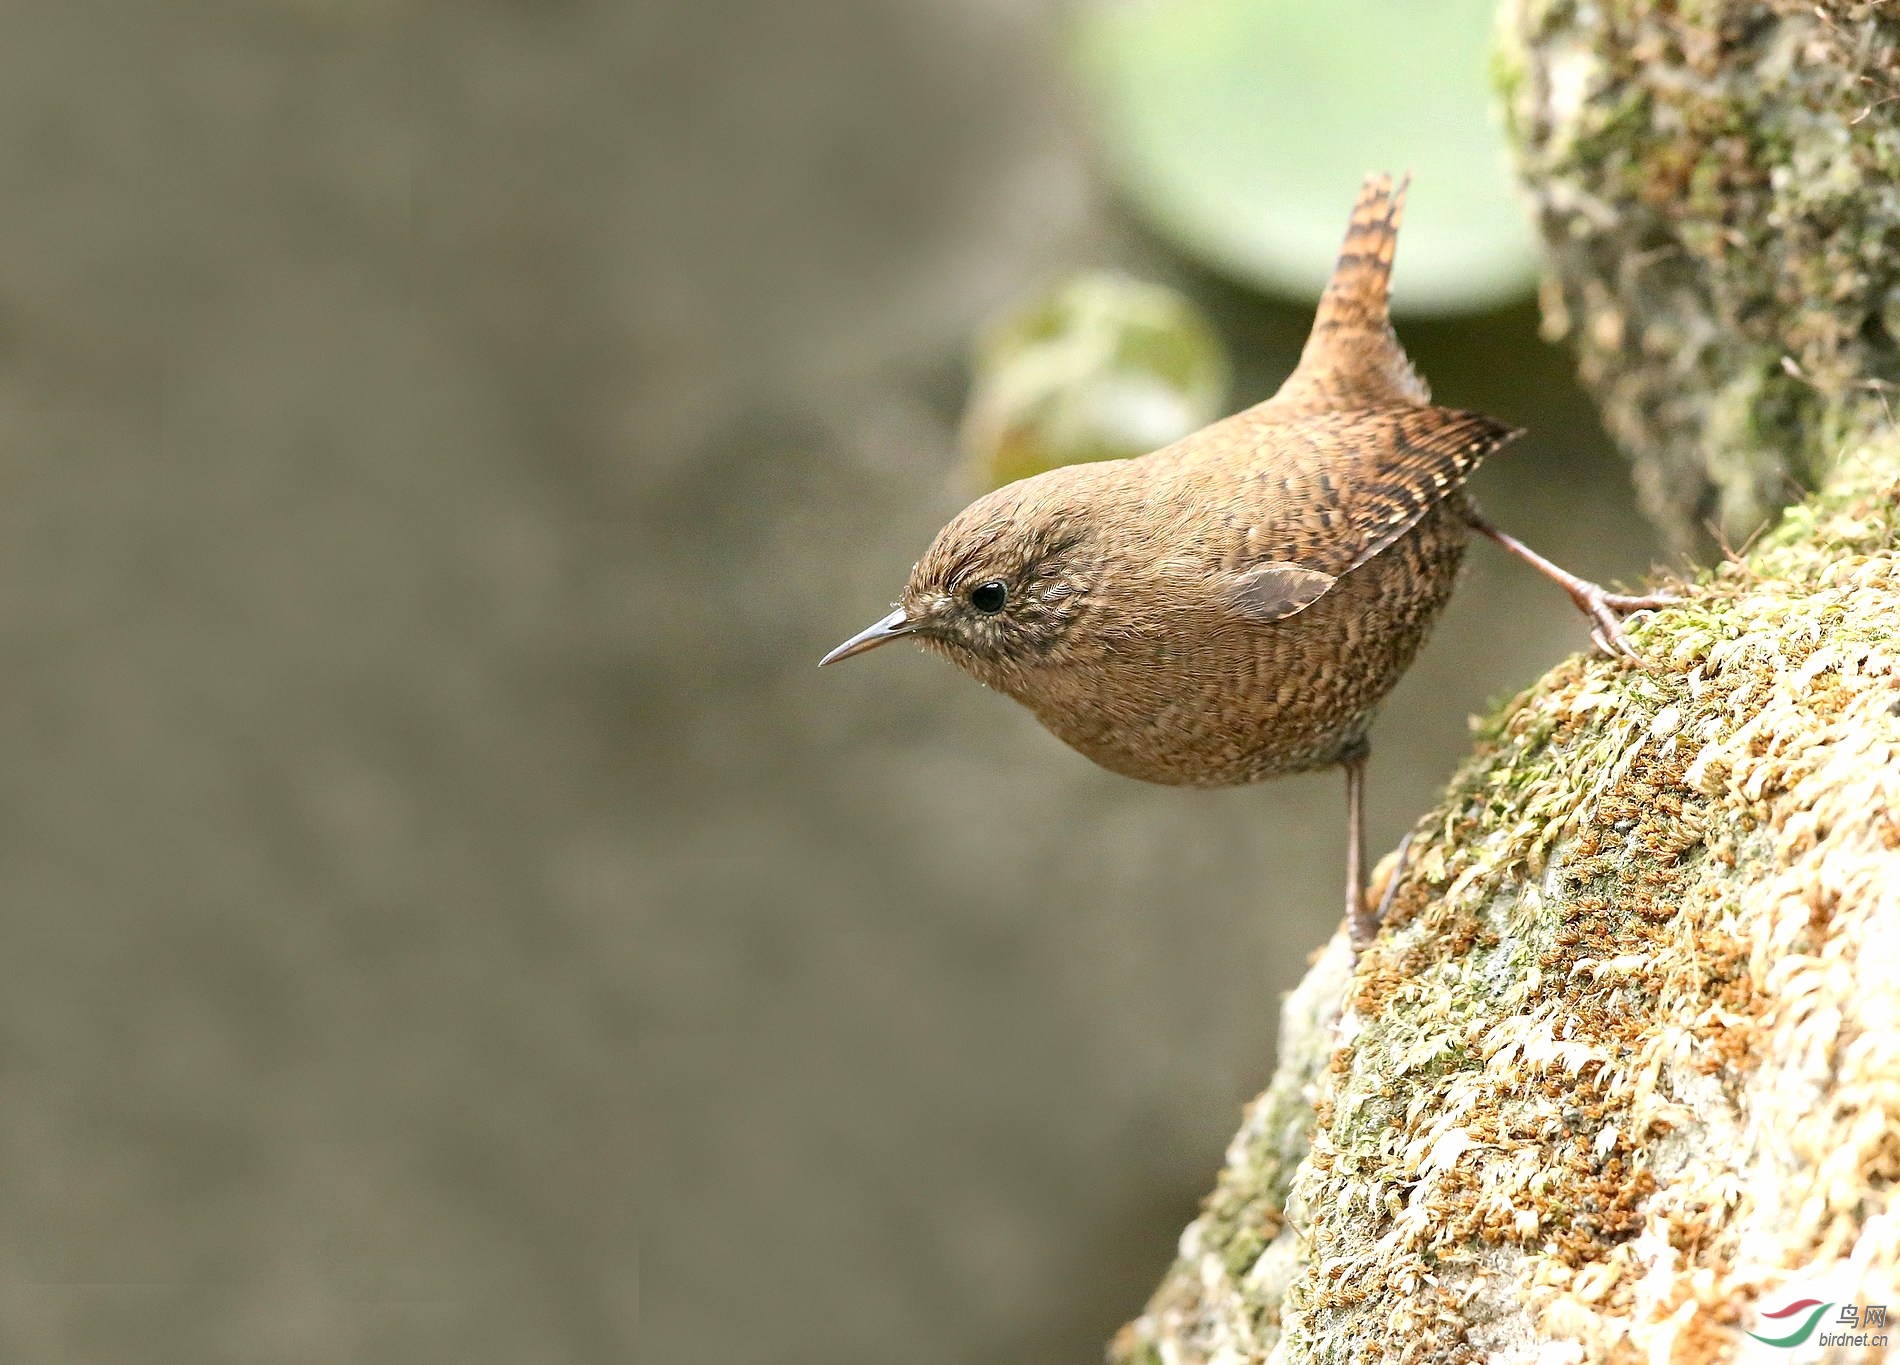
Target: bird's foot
point(1606, 611)
point(1363, 926)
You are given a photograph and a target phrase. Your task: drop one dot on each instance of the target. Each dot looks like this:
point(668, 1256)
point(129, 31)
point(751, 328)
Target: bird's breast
point(1183, 693)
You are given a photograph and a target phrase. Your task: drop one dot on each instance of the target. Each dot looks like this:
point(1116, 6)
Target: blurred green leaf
point(1242, 128)
point(1101, 367)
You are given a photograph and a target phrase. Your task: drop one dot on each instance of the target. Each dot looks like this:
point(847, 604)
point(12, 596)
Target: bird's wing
point(1352, 359)
point(1305, 503)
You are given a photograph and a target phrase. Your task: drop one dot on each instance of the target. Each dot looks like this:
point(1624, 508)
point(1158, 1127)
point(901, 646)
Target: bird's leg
point(1604, 608)
point(1357, 929)
point(1363, 926)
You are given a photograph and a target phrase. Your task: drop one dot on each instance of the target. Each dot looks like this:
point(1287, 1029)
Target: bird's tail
point(1356, 298)
point(1352, 358)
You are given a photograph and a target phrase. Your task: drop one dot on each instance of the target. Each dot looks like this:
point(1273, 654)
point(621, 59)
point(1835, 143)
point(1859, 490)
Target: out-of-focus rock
point(1100, 367)
point(1718, 188)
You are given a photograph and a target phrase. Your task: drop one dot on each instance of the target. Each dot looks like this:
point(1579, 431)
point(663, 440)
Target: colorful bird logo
point(1801, 1333)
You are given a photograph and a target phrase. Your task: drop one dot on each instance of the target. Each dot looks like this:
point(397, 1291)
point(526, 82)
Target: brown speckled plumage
point(1235, 606)
point(1150, 656)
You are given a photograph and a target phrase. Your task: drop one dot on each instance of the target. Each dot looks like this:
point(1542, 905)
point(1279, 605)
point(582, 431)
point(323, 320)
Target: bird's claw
point(1653, 601)
point(1390, 891)
point(1606, 611)
point(1362, 931)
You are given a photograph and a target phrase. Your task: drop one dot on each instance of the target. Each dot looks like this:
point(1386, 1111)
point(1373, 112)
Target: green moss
point(1506, 67)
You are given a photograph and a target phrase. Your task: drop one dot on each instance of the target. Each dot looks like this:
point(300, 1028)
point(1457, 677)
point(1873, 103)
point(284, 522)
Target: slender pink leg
point(1359, 927)
point(1604, 608)
point(1362, 926)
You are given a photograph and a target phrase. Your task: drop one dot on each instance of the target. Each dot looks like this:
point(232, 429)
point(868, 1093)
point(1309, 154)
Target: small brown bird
point(1235, 606)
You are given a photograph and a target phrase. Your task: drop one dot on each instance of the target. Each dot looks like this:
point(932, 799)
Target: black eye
point(988, 598)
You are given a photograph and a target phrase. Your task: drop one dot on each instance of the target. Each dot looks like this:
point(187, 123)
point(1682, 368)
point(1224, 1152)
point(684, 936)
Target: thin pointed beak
point(890, 628)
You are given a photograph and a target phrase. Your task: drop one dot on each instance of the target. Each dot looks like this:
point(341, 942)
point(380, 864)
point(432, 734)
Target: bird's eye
point(988, 598)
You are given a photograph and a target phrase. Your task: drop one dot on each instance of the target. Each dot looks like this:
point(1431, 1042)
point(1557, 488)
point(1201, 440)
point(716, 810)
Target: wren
point(1235, 606)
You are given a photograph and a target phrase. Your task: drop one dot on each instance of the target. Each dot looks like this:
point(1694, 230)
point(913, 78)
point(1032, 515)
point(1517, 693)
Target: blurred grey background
point(446, 917)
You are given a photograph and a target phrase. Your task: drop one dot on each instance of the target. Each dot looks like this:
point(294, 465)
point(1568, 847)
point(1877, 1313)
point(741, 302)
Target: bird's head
point(1002, 586)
